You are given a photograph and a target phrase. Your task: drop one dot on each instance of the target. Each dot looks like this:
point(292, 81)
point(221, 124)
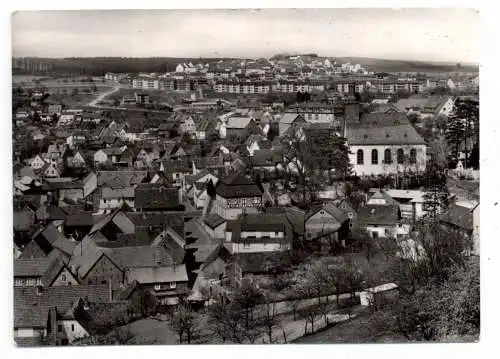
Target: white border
point(489, 184)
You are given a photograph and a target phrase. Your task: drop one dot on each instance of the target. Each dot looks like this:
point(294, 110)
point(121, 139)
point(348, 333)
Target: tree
point(247, 296)
point(143, 302)
point(269, 317)
point(474, 157)
point(436, 191)
point(184, 321)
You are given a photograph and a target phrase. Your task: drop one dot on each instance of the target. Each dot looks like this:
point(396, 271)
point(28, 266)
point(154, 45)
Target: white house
point(37, 162)
point(385, 143)
point(258, 233)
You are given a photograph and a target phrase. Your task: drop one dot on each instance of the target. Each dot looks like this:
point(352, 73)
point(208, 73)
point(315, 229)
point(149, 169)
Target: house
point(235, 127)
point(169, 129)
point(235, 194)
point(97, 267)
point(76, 139)
point(71, 189)
point(215, 225)
point(37, 162)
point(56, 152)
point(50, 170)
point(350, 211)
point(410, 202)
point(66, 119)
point(385, 143)
point(205, 128)
point(154, 197)
point(290, 120)
point(325, 220)
point(381, 217)
point(111, 198)
point(44, 271)
point(166, 283)
point(258, 232)
point(463, 217)
point(438, 105)
point(45, 315)
point(76, 161)
point(257, 142)
point(187, 125)
point(54, 109)
point(109, 155)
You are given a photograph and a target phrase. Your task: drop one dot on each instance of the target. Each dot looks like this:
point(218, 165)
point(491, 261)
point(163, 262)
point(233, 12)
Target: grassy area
point(361, 329)
point(155, 96)
point(77, 100)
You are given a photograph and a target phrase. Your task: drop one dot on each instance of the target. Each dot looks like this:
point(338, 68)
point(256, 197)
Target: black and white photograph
point(245, 176)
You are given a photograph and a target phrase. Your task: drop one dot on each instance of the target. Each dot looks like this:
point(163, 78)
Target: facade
point(236, 194)
point(385, 143)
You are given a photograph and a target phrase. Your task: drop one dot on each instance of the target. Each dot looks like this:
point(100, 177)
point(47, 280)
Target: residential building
point(236, 194)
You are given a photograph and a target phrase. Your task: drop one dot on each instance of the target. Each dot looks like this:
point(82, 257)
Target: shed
point(380, 296)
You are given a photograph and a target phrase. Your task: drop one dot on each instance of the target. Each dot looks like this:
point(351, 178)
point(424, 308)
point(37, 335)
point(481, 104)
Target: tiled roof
point(35, 267)
point(331, 209)
point(458, 216)
point(379, 214)
point(158, 274)
point(79, 219)
point(113, 193)
point(55, 238)
point(290, 118)
point(257, 222)
point(236, 122)
point(152, 196)
point(214, 220)
point(141, 256)
point(237, 186)
point(126, 177)
point(384, 129)
point(31, 310)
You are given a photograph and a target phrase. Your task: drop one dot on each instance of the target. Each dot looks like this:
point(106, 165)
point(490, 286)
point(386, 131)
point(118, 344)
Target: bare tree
point(269, 318)
point(184, 321)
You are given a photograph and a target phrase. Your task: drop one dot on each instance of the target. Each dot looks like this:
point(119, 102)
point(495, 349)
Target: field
point(66, 96)
point(383, 65)
point(155, 96)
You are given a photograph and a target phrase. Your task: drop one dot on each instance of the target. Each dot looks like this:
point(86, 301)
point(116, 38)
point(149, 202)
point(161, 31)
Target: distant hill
point(384, 65)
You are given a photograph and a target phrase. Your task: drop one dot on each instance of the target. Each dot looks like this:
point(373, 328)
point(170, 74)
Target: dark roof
point(383, 128)
point(153, 196)
point(35, 267)
point(79, 219)
point(257, 222)
point(237, 186)
point(31, 310)
point(331, 209)
point(175, 220)
point(379, 214)
point(458, 216)
point(219, 251)
point(213, 220)
point(23, 220)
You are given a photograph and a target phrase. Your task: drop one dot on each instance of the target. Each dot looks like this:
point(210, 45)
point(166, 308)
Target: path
point(94, 102)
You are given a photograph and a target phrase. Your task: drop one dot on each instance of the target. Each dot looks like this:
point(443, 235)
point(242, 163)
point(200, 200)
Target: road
point(94, 102)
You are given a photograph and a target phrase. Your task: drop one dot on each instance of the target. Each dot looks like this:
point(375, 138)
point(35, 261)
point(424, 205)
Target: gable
point(65, 277)
point(103, 267)
point(320, 216)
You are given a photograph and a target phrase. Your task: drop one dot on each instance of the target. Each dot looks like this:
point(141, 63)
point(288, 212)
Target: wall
point(28, 333)
point(64, 278)
point(104, 270)
point(381, 230)
point(259, 247)
point(320, 222)
point(367, 168)
point(232, 213)
point(71, 330)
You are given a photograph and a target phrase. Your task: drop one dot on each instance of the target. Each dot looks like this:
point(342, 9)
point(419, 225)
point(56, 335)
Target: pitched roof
point(31, 310)
point(384, 129)
point(112, 193)
point(237, 186)
point(55, 238)
point(289, 118)
point(331, 209)
point(155, 196)
point(256, 222)
point(458, 216)
point(237, 122)
point(379, 214)
point(158, 274)
point(213, 220)
point(35, 267)
point(140, 256)
point(126, 178)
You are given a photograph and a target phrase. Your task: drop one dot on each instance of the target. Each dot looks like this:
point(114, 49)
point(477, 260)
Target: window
point(360, 157)
point(413, 156)
point(63, 277)
point(349, 214)
point(172, 285)
point(59, 328)
point(374, 157)
point(401, 156)
point(350, 225)
point(246, 245)
point(157, 287)
point(375, 235)
point(72, 327)
point(276, 234)
point(387, 156)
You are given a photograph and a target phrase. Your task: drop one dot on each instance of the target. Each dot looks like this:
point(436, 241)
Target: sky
point(408, 34)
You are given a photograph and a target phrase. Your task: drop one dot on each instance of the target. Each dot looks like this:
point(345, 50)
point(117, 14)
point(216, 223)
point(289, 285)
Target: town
point(291, 199)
